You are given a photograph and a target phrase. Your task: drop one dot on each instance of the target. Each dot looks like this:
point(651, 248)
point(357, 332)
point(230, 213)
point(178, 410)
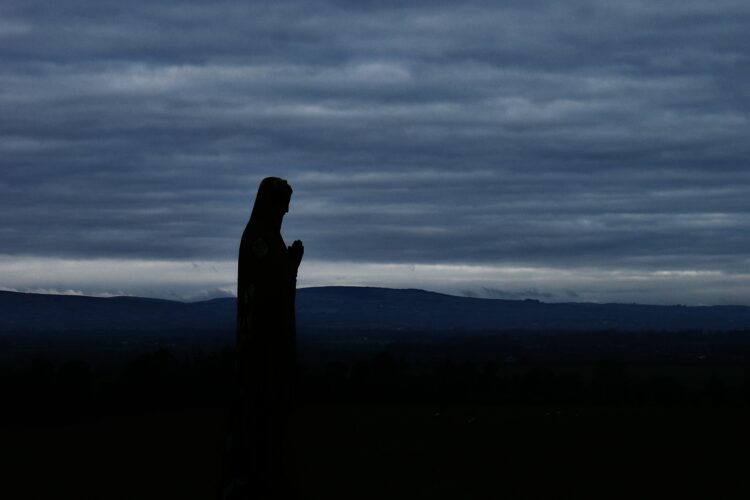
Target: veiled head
point(271, 203)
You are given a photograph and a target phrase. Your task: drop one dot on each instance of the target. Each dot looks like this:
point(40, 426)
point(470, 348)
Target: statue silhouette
point(266, 347)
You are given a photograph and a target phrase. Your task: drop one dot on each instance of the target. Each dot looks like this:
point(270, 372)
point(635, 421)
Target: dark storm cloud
point(532, 133)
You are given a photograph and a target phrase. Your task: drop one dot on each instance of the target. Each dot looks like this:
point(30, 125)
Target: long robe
point(266, 335)
point(266, 345)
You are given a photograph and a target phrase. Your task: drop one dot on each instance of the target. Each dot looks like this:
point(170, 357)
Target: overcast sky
point(573, 150)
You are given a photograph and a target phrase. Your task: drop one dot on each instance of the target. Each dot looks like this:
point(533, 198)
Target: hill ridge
point(357, 308)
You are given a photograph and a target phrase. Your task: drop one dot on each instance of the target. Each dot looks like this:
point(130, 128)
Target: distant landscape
point(363, 343)
point(359, 308)
point(438, 392)
point(352, 322)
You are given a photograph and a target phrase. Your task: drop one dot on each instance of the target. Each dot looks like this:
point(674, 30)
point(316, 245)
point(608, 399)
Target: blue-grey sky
point(574, 150)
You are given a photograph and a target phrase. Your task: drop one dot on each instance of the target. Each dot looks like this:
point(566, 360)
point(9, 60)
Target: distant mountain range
point(358, 308)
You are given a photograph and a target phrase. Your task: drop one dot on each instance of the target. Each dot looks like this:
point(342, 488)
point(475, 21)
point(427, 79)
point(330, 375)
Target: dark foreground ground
point(398, 451)
point(496, 416)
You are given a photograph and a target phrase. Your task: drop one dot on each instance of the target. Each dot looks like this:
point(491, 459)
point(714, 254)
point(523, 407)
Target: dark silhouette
point(266, 345)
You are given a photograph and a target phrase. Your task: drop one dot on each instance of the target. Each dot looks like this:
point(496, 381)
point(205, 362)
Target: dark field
point(463, 417)
point(395, 451)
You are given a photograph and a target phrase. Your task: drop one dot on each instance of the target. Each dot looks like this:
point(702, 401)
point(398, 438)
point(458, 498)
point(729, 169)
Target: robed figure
point(266, 345)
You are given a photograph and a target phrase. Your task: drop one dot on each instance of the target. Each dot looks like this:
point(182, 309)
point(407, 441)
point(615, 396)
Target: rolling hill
point(358, 308)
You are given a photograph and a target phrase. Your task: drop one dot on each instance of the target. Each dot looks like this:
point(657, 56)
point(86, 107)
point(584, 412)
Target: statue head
point(271, 203)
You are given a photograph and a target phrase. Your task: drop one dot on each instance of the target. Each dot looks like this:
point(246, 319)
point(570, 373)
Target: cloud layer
point(546, 135)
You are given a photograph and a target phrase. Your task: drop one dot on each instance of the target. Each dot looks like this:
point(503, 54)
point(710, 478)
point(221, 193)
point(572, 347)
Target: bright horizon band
point(195, 280)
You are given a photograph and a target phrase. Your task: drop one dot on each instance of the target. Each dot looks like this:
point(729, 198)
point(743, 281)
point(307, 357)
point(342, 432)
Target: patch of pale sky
point(205, 279)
